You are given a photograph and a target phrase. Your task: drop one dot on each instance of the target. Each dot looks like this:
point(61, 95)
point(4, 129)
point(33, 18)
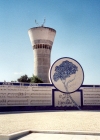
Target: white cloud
point(17, 73)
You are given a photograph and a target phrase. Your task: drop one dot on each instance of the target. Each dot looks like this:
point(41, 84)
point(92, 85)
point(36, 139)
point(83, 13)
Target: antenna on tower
point(36, 22)
point(43, 23)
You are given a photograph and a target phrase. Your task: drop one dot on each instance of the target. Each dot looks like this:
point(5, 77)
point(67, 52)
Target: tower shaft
point(42, 41)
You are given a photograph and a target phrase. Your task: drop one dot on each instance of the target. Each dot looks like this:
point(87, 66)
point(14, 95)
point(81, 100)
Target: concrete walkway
point(88, 121)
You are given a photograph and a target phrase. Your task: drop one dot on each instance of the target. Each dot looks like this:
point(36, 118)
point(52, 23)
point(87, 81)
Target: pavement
point(60, 125)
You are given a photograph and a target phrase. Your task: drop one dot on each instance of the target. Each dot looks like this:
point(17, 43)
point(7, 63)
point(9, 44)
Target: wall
point(45, 95)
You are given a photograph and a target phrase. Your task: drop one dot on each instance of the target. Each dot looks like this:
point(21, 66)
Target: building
point(42, 40)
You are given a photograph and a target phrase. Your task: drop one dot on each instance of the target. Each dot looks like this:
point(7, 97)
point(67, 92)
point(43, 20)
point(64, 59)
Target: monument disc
point(66, 74)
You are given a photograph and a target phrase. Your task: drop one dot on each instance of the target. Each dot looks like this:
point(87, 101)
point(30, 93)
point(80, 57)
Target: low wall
point(23, 96)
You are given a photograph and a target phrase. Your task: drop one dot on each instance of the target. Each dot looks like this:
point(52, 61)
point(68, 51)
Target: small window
point(43, 45)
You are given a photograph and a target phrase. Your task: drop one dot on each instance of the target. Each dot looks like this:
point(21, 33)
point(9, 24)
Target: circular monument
point(67, 75)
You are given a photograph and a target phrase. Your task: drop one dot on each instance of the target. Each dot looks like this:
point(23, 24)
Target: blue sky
point(77, 23)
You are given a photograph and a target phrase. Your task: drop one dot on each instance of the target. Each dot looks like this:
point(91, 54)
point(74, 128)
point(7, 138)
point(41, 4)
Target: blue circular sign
point(66, 74)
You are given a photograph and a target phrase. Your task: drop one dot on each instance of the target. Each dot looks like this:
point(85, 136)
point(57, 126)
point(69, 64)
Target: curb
point(27, 132)
point(15, 135)
point(68, 132)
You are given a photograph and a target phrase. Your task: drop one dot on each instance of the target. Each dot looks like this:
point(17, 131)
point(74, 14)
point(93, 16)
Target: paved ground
point(61, 121)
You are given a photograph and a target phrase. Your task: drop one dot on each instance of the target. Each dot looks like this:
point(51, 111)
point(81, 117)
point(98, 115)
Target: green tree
point(24, 78)
point(35, 79)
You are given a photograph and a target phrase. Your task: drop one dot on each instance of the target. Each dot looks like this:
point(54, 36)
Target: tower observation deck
point(42, 40)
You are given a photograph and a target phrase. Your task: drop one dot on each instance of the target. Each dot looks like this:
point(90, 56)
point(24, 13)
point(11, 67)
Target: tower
point(42, 40)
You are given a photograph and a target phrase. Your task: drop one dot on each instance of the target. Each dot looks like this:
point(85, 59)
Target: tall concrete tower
point(42, 40)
